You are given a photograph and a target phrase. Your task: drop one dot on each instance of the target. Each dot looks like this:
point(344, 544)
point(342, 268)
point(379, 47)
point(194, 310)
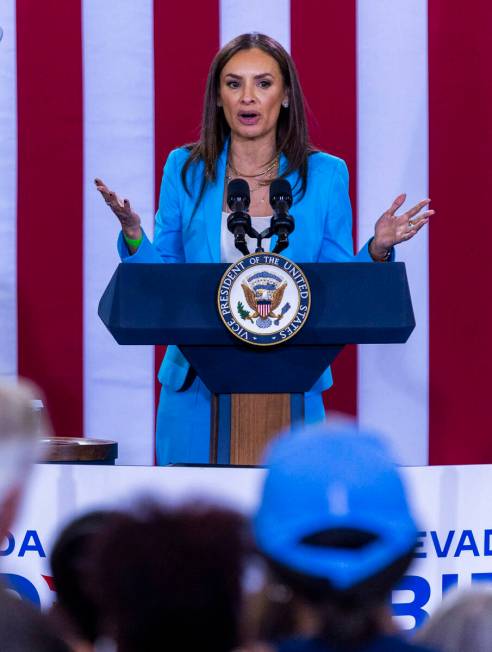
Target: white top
point(228, 252)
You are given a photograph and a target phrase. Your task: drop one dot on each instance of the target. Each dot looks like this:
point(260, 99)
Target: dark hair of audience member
point(71, 560)
point(25, 629)
point(347, 618)
point(172, 574)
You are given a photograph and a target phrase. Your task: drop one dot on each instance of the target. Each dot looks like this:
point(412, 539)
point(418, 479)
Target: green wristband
point(135, 244)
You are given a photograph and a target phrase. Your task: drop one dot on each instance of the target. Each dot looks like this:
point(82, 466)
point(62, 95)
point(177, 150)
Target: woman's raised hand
point(130, 221)
point(392, 229)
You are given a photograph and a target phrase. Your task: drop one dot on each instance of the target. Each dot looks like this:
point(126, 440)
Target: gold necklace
point(260, 184)
point(252, 176)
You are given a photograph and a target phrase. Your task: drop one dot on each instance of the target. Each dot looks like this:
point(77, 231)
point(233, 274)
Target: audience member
point(71, 560)
point(19, 428)
point(22, 628)
point(336, 529)
point(172, 576)
point(463, 623)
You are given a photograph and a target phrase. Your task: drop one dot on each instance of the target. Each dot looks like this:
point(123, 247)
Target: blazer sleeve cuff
point(144, 254)
point(365, 257)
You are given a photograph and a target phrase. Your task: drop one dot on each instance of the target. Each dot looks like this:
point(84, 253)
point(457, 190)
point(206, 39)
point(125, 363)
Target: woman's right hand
point(130, 221)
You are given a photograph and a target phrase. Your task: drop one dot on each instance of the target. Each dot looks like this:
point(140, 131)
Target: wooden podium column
point(254, 420)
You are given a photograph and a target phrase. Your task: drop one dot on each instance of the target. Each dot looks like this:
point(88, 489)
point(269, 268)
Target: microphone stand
point(239, 223)
point(281, 225)
point(267, 233)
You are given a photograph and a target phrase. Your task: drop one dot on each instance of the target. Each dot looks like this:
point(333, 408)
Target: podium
point(256, 390)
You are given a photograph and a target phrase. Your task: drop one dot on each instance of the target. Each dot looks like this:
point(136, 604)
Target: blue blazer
point(323, 231)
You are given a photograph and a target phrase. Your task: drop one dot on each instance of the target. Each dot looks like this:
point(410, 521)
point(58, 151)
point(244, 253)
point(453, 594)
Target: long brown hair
point(292, 131)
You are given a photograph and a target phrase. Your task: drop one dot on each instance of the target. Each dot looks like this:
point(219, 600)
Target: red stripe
point(49, 78)
point(460, 166)
point(323, 44)
point(185, 42)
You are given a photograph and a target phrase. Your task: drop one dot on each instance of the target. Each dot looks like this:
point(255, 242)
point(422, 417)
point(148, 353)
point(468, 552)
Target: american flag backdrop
point(398, 88)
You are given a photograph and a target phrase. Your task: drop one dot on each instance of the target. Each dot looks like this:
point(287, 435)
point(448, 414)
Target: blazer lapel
point(212, 205)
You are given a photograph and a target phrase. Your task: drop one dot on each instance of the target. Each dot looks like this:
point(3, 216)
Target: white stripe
point(393, 158)
point(8, 192)
point(271, 17)
point(119, 148)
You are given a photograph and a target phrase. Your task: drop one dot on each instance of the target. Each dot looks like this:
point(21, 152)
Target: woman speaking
point(253, 127)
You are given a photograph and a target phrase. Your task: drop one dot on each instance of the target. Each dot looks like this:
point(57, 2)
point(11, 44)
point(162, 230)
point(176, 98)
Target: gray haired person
point(20, 426)
point(19, 432)
point(463, 622)
point(22, 628)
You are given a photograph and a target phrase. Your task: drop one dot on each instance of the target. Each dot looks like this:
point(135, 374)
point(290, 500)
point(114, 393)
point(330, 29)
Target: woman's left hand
point(392, 229)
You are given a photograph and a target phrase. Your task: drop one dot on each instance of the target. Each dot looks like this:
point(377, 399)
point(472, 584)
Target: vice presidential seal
point(264, 299)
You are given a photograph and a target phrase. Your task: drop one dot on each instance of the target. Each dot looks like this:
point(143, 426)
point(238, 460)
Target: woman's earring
point(285, 104)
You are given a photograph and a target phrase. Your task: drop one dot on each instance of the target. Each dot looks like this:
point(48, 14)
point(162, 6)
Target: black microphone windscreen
point(280, 188)
point(237, 188)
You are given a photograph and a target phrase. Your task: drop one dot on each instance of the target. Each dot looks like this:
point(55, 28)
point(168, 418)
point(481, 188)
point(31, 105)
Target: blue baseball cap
point(323, 479)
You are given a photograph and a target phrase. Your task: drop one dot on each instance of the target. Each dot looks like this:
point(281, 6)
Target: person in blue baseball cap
point(336, 529)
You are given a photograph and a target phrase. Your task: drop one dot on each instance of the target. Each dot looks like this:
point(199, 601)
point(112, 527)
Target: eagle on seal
point(253, 297)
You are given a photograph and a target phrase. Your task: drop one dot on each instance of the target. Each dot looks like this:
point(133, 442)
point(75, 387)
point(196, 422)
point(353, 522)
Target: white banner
point(451, 504)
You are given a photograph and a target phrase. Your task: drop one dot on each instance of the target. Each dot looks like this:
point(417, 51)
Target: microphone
point(238, 198)
point(239, 221)
point(282, 223)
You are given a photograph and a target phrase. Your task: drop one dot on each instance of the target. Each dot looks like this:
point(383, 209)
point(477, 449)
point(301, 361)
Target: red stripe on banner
point(49, 251)
point(460, 167)
point(181, 63)
point(323, 44)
